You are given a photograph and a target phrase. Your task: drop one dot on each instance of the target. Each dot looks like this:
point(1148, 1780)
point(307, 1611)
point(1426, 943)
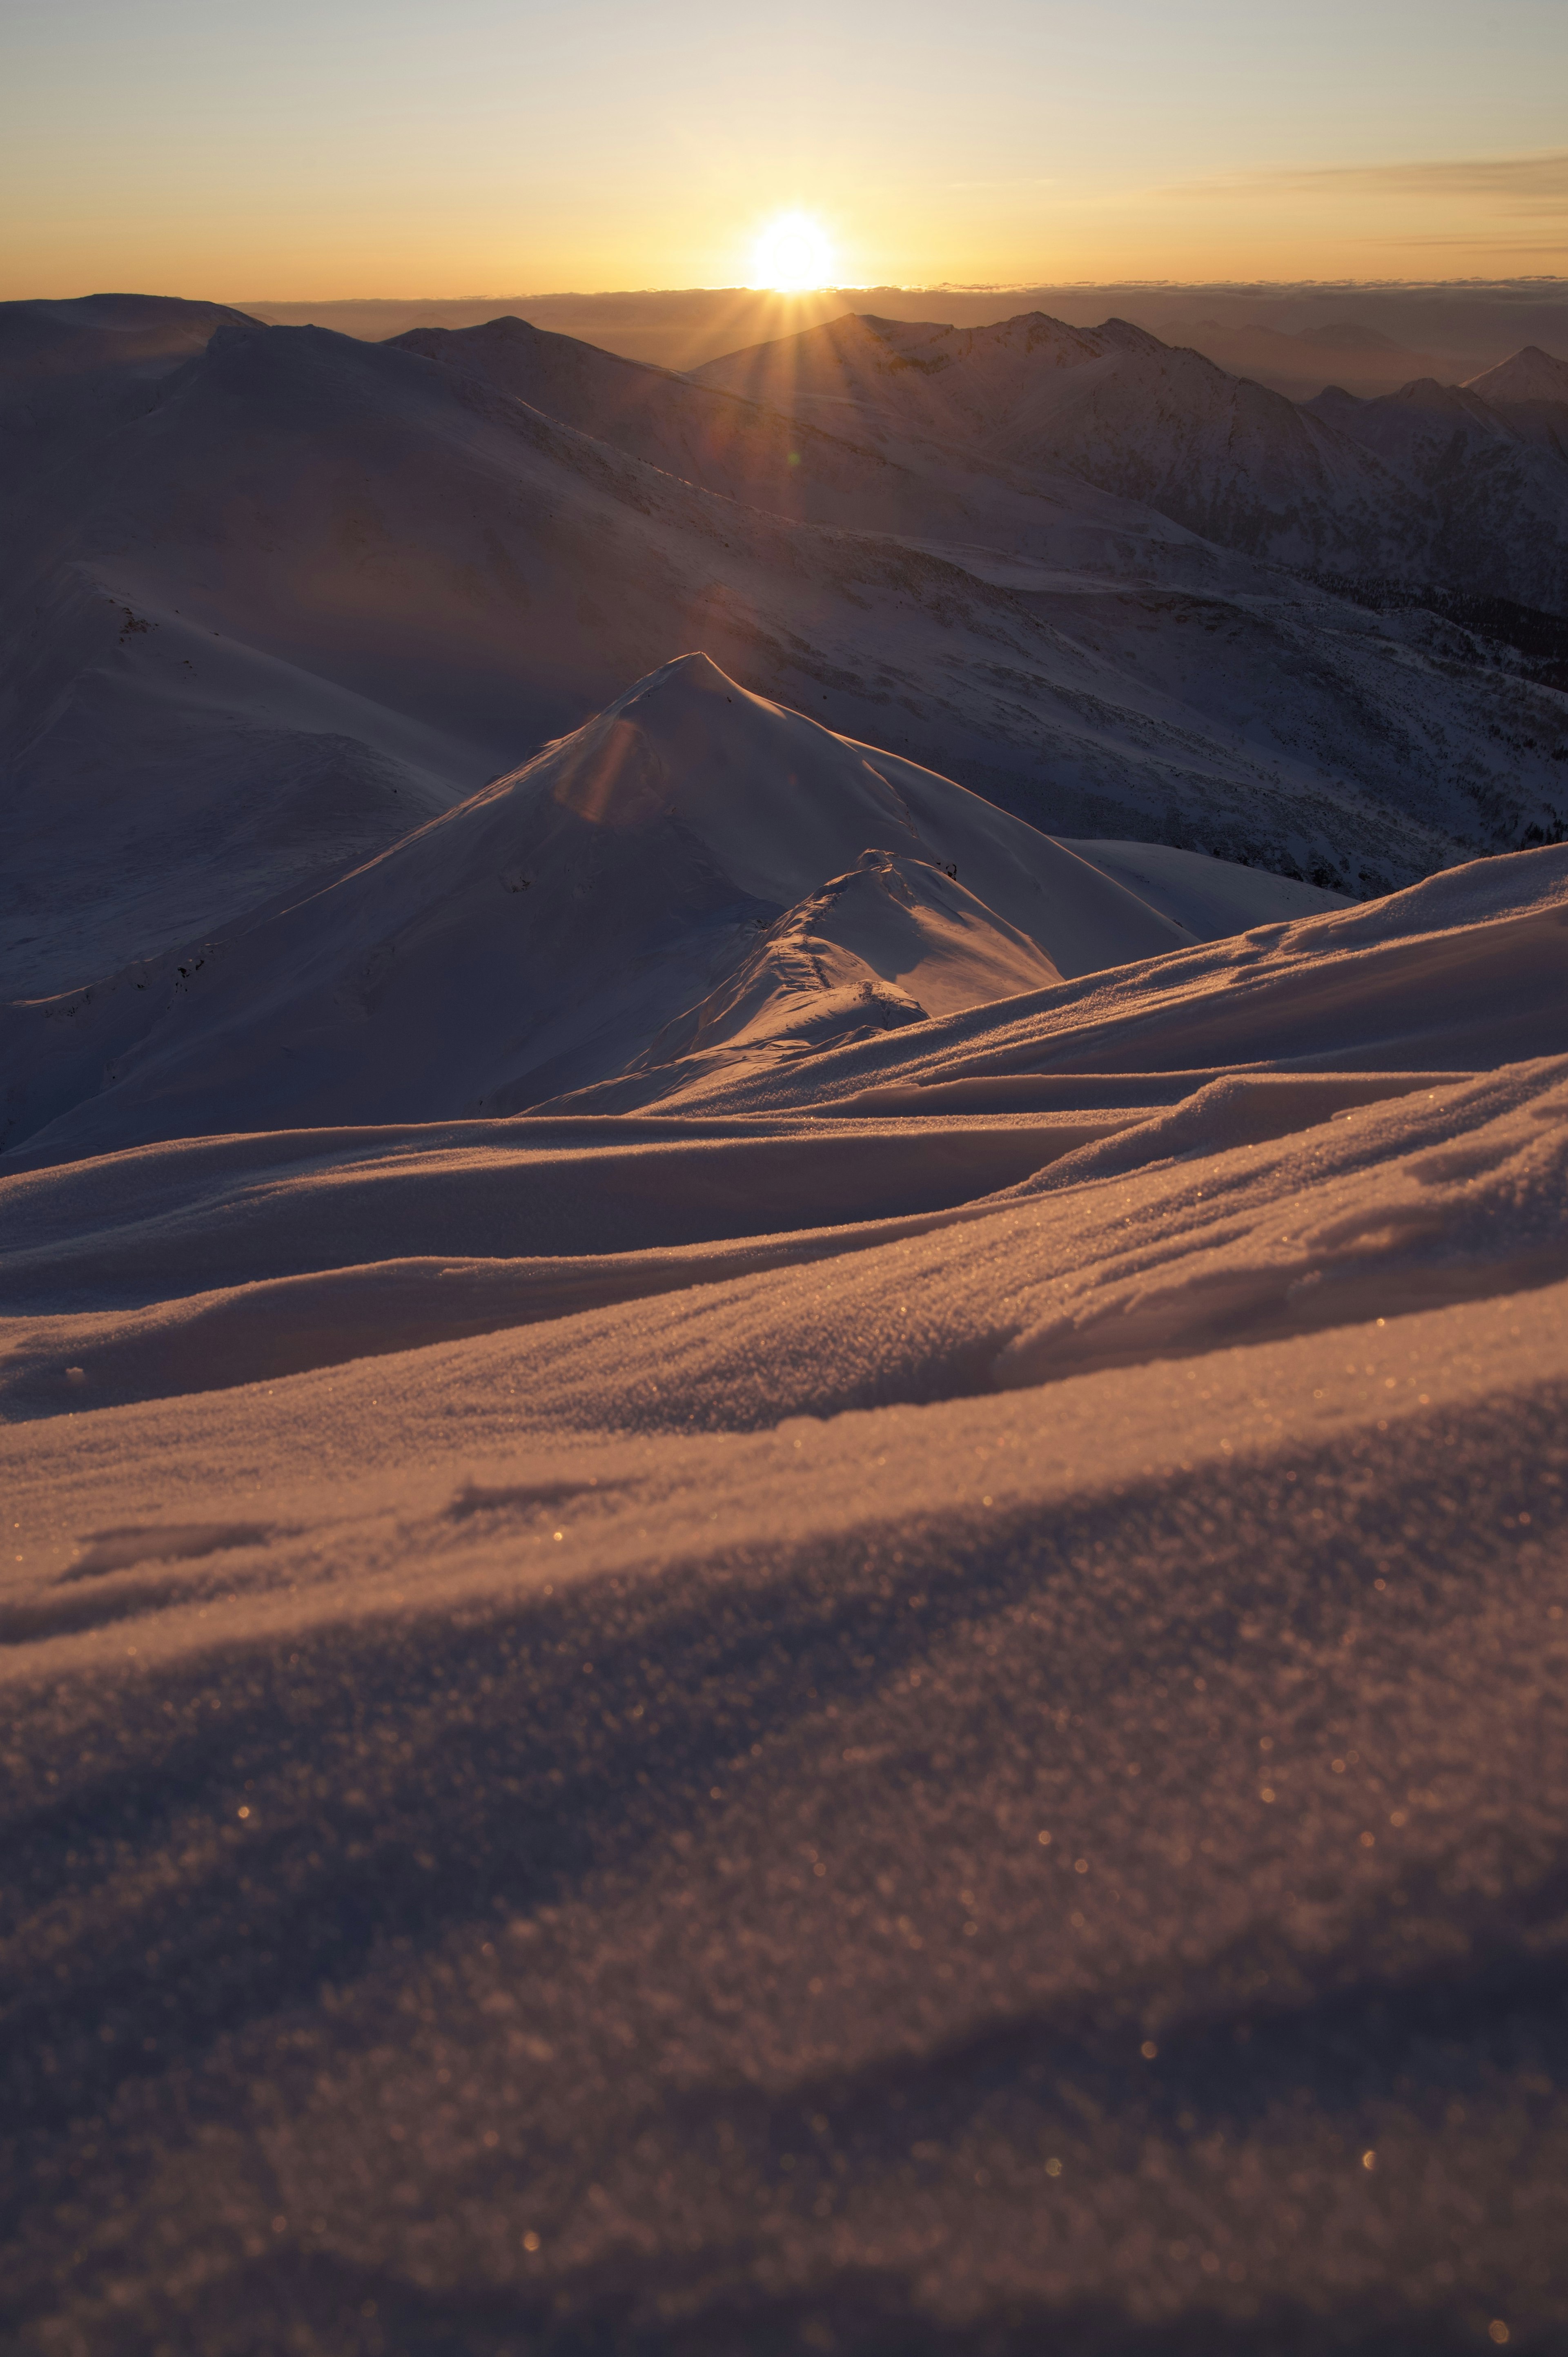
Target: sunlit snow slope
point(694, 867)
point(922, 1714)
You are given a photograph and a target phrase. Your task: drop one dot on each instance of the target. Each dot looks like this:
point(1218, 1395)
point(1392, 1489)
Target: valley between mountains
point(783, 1346)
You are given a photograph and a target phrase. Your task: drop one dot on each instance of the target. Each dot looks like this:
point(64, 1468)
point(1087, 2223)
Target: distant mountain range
point(1456, 492)
point(277, 598)
point(1296, 339)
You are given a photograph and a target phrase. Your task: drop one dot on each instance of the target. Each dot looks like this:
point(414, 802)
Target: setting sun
point(793, 252)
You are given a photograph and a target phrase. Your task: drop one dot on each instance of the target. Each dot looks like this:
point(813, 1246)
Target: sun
point(793, 252)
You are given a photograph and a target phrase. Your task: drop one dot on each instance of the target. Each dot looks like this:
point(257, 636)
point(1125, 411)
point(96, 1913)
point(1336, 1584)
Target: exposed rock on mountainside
point(1230, 460)
point(1498, 500)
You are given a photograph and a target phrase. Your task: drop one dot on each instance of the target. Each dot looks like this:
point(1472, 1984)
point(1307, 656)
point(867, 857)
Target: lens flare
point(793, 252)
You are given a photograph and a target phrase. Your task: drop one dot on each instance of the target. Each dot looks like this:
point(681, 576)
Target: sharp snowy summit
point(692, 851)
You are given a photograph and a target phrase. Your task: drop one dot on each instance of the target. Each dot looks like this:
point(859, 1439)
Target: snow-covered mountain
point(291, 593)
point(786, 463)
point(1530, 392)
point(720, 440)
point(1225, 457)
point(1529, 375)
point(1461, 973)
point(1301, 486)
point(695, 869)
point(1497, 496)
point(1086, 1473)
point(71, 371)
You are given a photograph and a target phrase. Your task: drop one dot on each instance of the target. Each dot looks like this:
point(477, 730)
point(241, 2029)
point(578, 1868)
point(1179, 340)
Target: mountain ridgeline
point(277, 600)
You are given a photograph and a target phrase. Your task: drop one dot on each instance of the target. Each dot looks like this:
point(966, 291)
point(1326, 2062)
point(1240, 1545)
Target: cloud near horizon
point(1535, 186)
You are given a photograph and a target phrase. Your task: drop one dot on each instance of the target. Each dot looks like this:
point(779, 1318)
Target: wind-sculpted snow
point(990, 1776)
point(1467, 971)
point(878, 1263)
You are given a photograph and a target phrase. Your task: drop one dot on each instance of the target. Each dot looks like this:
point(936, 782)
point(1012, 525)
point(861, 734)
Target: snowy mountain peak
point(1529, 375)
point(890, 942)
point(539, 937)
point(938, 375)
point(1123, 335)
point(1442, 400)
point(691, 675)
point(776, 803)
point(74, 368)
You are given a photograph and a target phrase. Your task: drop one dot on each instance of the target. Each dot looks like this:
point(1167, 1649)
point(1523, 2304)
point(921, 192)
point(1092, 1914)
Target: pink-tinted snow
point(832, 1716)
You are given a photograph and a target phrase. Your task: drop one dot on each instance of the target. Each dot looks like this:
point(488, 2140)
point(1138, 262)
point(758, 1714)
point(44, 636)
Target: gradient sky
point(311, 148)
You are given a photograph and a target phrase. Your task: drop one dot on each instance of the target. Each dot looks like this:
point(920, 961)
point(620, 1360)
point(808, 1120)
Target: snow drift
point(837, 1728)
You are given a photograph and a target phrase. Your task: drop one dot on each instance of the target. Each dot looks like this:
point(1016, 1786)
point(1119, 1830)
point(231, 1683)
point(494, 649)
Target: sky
point(320, 148)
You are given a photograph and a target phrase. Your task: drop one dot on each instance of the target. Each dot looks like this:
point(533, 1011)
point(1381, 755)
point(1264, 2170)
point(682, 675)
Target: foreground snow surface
point(880, 1722)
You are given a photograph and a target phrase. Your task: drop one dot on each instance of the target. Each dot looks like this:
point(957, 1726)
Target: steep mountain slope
point(541, 935)
point(1499, 498)
point(1227, 458)
point(1386, 489)
point(1463, 973)
point(1530, 374)
point(1530, 392)
point(320, 590)
point(790, 465)
point(720, 440)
